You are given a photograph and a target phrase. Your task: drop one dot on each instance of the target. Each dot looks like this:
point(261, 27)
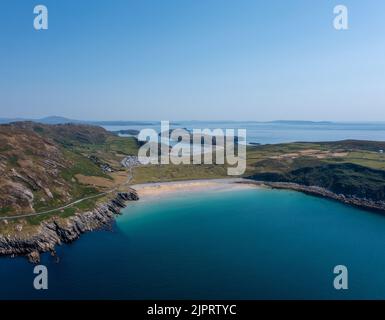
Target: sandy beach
point(156, 190)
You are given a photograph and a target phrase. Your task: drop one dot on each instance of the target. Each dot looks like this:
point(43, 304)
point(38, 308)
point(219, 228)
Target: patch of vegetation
point(81, 165)
point(6, 148)
point(38, 129)
point(158, 173)
point(68, 212)
point(83, 206)
point(5, 210)
point(36, 220)
point(123, 145)
point(86, 205)
point(13, 160)
point(47, 204)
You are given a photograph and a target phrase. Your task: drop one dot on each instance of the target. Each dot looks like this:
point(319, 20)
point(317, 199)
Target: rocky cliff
point(362, 203)
point(56, 231)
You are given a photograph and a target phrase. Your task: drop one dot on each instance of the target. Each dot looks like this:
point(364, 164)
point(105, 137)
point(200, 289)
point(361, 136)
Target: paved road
point(129, 178)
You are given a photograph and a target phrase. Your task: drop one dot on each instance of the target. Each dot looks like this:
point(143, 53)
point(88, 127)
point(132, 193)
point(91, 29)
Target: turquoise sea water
point(249, 244)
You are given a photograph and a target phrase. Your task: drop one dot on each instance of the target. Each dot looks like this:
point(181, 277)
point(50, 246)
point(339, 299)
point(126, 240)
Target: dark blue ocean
point(247, 244)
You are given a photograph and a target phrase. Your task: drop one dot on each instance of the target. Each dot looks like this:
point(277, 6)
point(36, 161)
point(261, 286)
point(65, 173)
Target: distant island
point(60, 180)
point(299, 122)
point(64, 120)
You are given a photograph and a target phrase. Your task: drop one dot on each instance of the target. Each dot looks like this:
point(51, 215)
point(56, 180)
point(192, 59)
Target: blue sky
point(193, 59)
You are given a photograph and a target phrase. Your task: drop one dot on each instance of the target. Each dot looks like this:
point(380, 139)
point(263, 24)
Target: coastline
point(56, 231)
point(157, 190)
point(361, 203)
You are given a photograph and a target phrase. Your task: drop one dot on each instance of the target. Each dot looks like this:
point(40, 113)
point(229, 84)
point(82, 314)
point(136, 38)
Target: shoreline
point(158, 190)
point(55, 232)
point(360, 203)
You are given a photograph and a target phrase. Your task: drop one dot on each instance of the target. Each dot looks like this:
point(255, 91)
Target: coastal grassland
point(171, 172)
point(290, 156)
point(80, 165)
point(349, 168)
point(369, 159)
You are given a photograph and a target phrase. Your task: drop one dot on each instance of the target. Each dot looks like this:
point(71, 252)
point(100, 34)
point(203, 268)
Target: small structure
point(381, 151)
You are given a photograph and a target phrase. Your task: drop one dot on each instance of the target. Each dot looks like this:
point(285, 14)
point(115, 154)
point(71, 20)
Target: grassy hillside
point(41, 166)
point(354, 168)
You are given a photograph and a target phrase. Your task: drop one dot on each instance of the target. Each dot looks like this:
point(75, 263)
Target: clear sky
point(193, 59)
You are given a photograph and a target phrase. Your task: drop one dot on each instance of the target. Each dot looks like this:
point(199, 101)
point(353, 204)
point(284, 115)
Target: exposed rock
point(34, 257)
point(130, 161)
point(48, 193)
point(363, 203)
point(16, 194)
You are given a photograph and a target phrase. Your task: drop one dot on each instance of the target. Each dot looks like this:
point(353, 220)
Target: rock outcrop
point(57, 231)
point(362, 203)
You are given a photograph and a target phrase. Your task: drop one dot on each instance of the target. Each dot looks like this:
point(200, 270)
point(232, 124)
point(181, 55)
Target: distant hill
point(300, 122)
point(57, 120)
point(9, 120)
point(45, 120)
point(64, 120)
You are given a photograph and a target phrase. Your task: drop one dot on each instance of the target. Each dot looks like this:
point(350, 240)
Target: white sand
point(148, 191)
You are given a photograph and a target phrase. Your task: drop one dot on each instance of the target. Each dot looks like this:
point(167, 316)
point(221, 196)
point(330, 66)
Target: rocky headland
point(57, 231)
point(362, 203)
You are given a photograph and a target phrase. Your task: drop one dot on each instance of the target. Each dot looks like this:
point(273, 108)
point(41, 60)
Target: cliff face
point(55, 232)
